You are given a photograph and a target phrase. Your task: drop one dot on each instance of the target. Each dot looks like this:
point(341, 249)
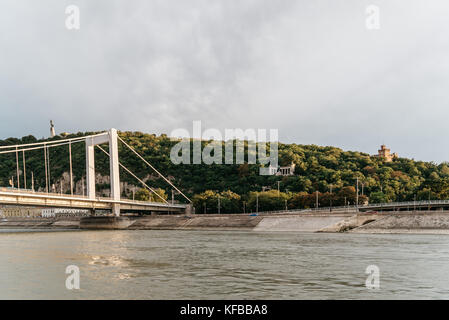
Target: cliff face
point(62, 185)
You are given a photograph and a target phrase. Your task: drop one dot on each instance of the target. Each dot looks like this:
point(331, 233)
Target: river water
point(221, 265)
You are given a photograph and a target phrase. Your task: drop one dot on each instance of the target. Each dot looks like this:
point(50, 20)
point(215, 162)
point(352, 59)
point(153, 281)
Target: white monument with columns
point(111, 138)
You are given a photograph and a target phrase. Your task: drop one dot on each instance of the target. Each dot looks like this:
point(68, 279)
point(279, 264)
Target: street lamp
point(257, 202)
point(414, 203)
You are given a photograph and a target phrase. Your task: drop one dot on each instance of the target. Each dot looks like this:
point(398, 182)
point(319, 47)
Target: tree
point(302, 200)
point(161, 195)
point(346, 193)
point(208, 202)
point(377, 197)
point(267, 200)
point(142, 195)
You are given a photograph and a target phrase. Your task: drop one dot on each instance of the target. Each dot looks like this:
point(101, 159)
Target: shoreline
point(433, 222)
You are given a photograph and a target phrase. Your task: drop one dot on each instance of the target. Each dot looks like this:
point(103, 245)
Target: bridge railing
point(420, 203)
point(336, 208)
point(408, 203)
point(29, 192)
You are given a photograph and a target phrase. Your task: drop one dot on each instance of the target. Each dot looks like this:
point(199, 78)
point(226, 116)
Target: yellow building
point(385, 153)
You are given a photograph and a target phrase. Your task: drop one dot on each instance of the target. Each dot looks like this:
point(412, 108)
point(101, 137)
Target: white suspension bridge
point(114, 203)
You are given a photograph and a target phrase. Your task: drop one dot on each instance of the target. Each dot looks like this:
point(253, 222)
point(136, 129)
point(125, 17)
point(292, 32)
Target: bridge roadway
point(389, 206)
point(35, 199)
point(407, 205)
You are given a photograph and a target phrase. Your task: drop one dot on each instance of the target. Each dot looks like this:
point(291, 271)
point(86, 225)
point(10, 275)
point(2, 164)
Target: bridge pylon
point(111, 138)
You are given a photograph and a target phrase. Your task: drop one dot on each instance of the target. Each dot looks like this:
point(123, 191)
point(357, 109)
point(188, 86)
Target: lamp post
point(257, 202)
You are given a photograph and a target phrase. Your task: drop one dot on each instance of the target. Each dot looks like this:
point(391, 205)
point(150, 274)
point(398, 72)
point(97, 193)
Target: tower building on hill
point(385, 153)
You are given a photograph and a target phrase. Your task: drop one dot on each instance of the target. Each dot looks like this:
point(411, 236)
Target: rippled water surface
point(221, 265)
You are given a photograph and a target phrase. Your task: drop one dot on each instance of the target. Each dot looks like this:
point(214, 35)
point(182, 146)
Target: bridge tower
point(111, 138)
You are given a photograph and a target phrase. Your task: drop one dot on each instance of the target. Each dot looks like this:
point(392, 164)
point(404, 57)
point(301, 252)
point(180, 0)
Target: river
point(221, 265)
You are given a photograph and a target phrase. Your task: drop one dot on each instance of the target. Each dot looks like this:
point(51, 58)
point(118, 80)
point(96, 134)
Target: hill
point(317, 170)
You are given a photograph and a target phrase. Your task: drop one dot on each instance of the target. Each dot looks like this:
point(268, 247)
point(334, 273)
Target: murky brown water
point(221, 265)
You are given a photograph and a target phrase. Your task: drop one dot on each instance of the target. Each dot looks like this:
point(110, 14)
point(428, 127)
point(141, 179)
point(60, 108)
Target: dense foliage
point(144, 194)
point(317, 170)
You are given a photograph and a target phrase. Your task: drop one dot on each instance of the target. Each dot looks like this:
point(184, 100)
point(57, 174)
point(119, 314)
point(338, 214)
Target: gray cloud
point(309, 68)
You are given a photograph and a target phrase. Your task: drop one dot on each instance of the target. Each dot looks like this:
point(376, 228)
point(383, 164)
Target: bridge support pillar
point(189, 210)
point(114, 171)
point(110, 138)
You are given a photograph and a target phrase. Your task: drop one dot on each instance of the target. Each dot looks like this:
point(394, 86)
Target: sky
point(311, 69)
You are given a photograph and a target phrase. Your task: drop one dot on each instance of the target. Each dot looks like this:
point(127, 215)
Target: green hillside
point(317, 169)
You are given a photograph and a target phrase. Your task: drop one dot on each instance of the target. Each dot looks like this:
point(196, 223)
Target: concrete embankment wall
point(42, 223)
point(419, 222)
point(392, 222)
point(305, 222)
point(292, 222)
point(197, 222)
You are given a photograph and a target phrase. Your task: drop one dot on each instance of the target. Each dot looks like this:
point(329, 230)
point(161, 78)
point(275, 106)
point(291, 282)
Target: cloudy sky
point(310, 69)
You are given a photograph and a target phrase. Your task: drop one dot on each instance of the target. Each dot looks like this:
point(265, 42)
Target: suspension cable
point(40, 147)
point(160, 174)
point(46, 172)
point(48, 159)
point(49, 142)
point(17, 169)
point(71, 171)
point(129, 171)
point(24, 170)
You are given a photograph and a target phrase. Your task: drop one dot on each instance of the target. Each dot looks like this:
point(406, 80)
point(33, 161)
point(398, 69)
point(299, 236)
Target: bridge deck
point(27, 198)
